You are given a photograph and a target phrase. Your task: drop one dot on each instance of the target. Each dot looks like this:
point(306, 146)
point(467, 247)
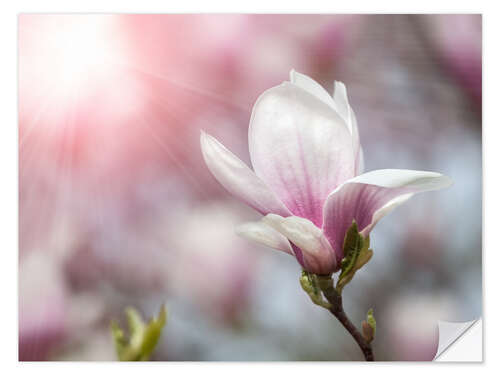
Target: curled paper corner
point(460, 341)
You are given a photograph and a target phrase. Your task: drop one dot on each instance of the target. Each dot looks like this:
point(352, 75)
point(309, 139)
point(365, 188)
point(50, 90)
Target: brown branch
point(337, 309)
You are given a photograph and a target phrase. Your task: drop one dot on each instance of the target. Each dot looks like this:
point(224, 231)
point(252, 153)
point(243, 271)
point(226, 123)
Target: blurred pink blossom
point(213, 269)
point(51, 314)
point(42, 306)
point(457, 40)
point(412, 325)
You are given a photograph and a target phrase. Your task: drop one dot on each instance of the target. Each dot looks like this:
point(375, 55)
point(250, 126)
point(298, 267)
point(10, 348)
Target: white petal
point(312, 87)
point(302, 232)
point(356, 143)
point(318, 255)
point(394, 178)
point(340, 98)
point(345, 110)
point(238, 179)
point(260, 232)
point(360, 168)
point(300, 148)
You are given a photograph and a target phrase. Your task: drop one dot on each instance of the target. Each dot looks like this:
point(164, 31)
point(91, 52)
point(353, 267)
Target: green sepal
point(353, 243)
point(356, 254)
point(309, 283)
point(142, 338)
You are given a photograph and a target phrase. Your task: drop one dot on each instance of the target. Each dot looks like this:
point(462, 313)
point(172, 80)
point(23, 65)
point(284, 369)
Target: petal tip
point(204, 136)
point(434, 181)
point(446, 181)
point(339, 87)
point(206, 141)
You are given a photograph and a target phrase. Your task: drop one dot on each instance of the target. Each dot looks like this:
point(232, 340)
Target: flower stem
point(337, 309)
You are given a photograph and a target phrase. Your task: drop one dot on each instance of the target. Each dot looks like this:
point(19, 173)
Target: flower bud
point(368, 331)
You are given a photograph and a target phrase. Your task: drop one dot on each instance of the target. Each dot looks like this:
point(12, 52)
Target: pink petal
point(238, 179)
point(370, 196)
point(300, 147)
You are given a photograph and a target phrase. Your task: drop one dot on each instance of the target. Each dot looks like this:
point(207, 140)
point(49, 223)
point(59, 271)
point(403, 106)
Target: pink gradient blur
point(117, 207)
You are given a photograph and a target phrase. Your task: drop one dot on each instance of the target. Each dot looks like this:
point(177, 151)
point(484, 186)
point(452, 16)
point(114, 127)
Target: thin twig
point(337, 309)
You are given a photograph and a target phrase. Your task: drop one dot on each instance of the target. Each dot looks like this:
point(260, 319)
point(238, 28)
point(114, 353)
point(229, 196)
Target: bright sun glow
point(74, 61)
point(84, 47)
point(72, 48)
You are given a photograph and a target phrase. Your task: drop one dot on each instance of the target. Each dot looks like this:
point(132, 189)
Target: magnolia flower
point(308, 178)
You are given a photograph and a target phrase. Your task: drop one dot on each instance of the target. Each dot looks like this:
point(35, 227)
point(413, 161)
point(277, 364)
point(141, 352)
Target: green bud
point(368, 333)
point(371, 320)
point(310, 285)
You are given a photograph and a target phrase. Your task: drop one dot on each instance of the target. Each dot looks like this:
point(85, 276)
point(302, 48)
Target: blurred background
point(117, 207)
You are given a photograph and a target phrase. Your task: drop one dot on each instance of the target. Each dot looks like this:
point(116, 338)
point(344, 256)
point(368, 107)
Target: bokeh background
point(117, 208)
